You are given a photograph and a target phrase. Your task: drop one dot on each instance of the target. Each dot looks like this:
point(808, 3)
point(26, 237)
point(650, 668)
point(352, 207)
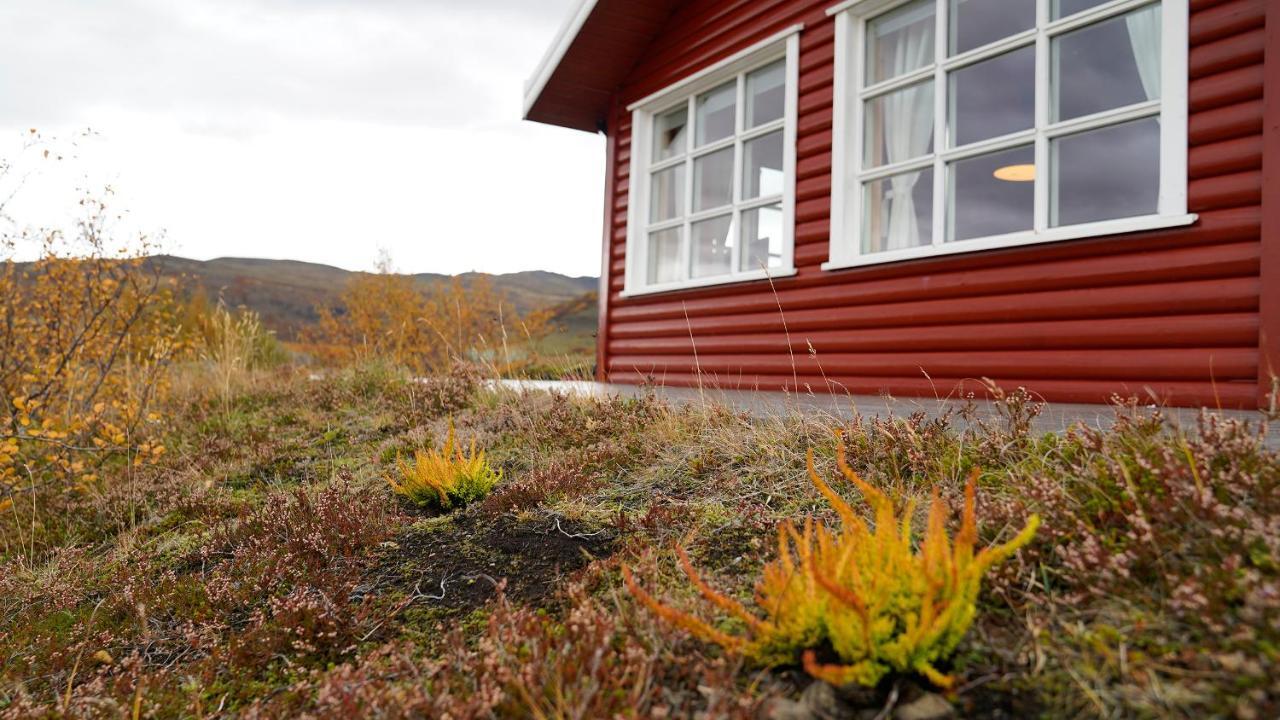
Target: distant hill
point(286, 293)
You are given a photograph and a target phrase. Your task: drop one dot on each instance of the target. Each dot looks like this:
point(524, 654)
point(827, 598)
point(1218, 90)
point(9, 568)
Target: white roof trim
point(564, 39)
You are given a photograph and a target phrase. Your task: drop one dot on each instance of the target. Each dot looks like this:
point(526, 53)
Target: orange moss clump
point(866, 593)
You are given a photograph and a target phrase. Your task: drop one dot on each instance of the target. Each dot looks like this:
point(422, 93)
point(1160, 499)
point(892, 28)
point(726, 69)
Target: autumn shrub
point(863, 594)
point(392, 317)
point(87, 335)
point(445, 478)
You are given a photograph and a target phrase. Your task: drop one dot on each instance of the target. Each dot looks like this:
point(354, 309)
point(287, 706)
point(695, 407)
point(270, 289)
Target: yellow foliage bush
point(866, 594)
point(86, 338)
point(446, 478)
point(386, 316)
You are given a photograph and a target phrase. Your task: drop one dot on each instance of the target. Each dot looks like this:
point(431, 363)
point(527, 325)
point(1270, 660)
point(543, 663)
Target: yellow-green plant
point(446, 478)
point(866, 594)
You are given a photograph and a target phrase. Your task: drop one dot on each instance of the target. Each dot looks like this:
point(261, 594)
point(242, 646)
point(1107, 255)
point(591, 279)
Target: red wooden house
point(1081, 197)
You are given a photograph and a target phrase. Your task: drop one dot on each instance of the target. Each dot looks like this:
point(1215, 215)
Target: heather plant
point(878, 604)
point(446, 478)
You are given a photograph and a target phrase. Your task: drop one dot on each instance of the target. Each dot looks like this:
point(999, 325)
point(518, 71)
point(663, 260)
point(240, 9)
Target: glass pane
point(664, 257)
point(994, 97)
point(993, 194)
point(900, 41)
point(666, 194)
point(898, 212)
point(713, 180)
point(712, 247)
point(899, 125)
point(717, 114)
point(1113, 172)
point(1107, 65)
point(766, 94)
point(669, 133)
point(761, 238)
point(1063, 8)
point(762, 171)
point(975, 23)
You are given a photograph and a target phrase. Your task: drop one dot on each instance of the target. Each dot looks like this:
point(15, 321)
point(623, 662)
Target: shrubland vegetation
point(195, 524)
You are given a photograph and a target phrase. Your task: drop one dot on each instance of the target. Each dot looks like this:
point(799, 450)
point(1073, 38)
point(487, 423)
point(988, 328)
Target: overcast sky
point(316, 130)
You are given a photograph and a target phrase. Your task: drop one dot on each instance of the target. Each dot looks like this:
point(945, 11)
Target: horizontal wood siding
point(1171, 315)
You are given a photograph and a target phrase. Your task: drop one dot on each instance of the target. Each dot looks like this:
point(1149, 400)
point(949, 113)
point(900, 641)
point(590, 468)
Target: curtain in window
point(908, 129)
point(1144, 36)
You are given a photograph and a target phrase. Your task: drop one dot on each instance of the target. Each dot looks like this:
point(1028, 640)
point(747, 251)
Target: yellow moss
point(446, 477)
point(880, 603)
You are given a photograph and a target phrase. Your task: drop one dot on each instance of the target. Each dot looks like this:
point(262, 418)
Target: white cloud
point(317, 130)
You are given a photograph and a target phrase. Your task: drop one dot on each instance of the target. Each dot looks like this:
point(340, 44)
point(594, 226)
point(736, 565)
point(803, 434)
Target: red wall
point(1174, 313)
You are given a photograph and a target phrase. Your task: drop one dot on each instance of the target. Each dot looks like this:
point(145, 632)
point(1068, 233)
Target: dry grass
point(260, 567)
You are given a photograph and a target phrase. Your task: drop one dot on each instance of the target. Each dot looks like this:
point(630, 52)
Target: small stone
point(783, 709)
point(929, 706)
point(825, 702)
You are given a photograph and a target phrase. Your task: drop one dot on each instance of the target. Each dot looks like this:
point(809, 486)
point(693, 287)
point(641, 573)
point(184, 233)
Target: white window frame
point(847, 173)
point(784, 45)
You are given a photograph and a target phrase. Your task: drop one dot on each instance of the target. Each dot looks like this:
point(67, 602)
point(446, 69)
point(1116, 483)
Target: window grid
point(944, 155)
point(689, 157)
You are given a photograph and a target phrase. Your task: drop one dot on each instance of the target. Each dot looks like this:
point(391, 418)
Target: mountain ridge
point(286, 293)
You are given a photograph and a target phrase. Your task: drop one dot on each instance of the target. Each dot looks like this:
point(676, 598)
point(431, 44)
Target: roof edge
point(535, 85)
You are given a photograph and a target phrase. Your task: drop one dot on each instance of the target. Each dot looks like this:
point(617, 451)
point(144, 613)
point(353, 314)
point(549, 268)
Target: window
point(971, 124)
point(712, 174)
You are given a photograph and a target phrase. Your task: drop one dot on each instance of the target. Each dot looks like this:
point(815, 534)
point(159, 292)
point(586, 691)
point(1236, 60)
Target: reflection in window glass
point(667, 194)
point(993, 194)
point(713, 180)
point(1104, 174)
point(766, 96)
point(664, 257)
point(900, 41)
point(762, 166)
point(669, 134)
point(717, 114)
point(712, 247)
point(898, 212)
point(1063, 8)
point(899, 125)
point(994, 97)
point(761, 238)
point(975, 23)
point(1107, 65)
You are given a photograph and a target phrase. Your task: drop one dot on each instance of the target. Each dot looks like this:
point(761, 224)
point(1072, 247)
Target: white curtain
point(1144, 36)
point(908, 127)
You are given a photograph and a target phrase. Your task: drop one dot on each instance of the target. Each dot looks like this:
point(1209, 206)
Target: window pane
point(712, 247)
point(766, 94)
point(664, 257)
point(1113, 172)
point(900, 41)
point(994, 97)
point(899, 125)
point(1108, 65)
point(762, 171)
point(993, 194)
point(761, 238)
point(666, 194)
point(975, 23)
point(717, 114)
point(1063, 8)
point(898, 212)
point(713, 180)
point(669, 132)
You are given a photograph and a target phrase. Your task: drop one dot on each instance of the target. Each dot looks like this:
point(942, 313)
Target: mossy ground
point(265, 569)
